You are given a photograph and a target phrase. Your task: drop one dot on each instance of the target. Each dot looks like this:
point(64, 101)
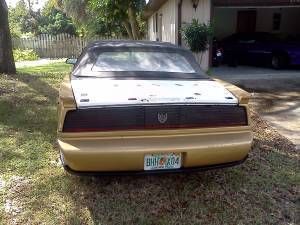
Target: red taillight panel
point(154, 117)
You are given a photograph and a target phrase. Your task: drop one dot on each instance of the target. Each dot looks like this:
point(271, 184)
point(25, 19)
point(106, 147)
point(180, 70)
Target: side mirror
point(71, 61)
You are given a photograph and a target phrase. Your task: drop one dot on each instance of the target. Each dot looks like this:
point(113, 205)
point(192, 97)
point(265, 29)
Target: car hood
point(95, 92)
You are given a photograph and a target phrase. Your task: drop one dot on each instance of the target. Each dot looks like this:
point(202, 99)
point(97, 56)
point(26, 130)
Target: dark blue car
point(261, 49)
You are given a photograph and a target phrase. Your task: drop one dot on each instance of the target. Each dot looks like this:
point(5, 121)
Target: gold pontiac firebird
point(147, 107)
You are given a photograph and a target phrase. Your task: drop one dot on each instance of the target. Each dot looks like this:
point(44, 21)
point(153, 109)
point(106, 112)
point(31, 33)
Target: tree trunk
point(127, 26)
point(7, 64)
point(29, 5)
point(133, 23)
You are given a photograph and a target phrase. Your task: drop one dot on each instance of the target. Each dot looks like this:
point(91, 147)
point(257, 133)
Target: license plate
point(162, 161)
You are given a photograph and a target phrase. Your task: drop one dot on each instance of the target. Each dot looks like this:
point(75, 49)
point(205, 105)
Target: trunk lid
point(95, 92)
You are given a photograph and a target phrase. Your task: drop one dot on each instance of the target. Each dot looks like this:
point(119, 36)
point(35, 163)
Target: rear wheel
point(279, 61)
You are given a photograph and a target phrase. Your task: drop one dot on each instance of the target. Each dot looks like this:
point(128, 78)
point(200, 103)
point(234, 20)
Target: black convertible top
point(90, 53)
point(132, 44)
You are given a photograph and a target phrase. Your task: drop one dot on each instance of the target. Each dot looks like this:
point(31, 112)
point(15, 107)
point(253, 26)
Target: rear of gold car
point(88, 151)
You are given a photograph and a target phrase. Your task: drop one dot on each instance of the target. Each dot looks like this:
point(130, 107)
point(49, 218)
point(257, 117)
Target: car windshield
point(142, 61)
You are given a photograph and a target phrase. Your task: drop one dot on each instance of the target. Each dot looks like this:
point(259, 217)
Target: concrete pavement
point(275, 95)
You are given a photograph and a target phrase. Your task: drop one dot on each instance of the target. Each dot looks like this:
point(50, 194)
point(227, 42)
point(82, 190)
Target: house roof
point(152, 6)
point(256, 2)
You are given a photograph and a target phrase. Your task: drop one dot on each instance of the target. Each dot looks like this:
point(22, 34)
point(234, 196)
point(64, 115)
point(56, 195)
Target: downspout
point(179, 37)
point(210, 54)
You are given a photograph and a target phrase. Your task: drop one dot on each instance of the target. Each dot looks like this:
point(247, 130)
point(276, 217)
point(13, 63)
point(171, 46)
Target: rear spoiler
point(66, 94)
point(242, 95)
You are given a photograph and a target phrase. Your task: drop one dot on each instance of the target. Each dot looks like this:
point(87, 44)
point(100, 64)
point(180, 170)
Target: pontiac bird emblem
point(162, 117)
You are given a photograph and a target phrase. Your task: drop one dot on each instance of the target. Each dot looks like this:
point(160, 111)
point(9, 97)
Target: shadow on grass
point(28, 116)
point(31, 105)
point(27, 119)
point(261, 191)
point(41, 87)
point(159, 199)
point(247, 194)
point(25, 152)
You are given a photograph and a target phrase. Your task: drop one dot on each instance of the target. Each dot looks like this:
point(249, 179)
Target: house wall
point(168, 13)
point(151, 32)
point(203, 14)
point(225, 20)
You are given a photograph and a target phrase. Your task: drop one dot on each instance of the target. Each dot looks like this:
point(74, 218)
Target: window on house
point(276, 21)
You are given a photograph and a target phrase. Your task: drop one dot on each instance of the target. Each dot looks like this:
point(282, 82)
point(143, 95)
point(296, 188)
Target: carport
point(280, 17)
point(275, 94)
point(275, 16)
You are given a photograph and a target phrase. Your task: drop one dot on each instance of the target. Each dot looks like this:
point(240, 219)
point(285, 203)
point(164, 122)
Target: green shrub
point(197, 35)
point(25, 55)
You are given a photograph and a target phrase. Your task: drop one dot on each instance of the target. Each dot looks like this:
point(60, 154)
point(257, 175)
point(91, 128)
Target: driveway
point(275, 95)
point(39, 62)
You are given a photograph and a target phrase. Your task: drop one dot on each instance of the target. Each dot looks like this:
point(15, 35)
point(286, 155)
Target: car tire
point(279, 61)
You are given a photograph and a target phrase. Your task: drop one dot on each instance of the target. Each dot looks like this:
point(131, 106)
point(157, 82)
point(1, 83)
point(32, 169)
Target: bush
point(197, 35)
point(25, 55)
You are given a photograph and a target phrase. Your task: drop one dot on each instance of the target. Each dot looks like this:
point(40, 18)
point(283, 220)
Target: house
point(166, 18)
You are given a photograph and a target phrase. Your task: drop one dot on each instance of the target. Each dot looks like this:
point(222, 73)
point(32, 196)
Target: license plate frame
point(162, 161)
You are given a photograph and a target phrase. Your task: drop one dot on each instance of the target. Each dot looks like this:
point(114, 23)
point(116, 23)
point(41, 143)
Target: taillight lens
point(154, 117)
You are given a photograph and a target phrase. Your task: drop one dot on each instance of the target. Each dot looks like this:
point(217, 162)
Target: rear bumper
point(200, 150)
point(142, 172)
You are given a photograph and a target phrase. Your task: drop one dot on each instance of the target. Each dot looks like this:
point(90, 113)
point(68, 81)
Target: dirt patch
point(266, 137)
point(15, 190)
point(2, 184)
point(4, 88)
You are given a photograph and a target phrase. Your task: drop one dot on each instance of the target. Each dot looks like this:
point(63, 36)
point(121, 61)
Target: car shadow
point(135, 200)
point(253, 188)
point(32, 102)
point(244, 193)
point(41, 87)
point(28, 115)
point(173, 199)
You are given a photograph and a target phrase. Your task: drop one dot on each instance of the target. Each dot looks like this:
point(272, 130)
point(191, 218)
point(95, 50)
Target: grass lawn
point(34, 189)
